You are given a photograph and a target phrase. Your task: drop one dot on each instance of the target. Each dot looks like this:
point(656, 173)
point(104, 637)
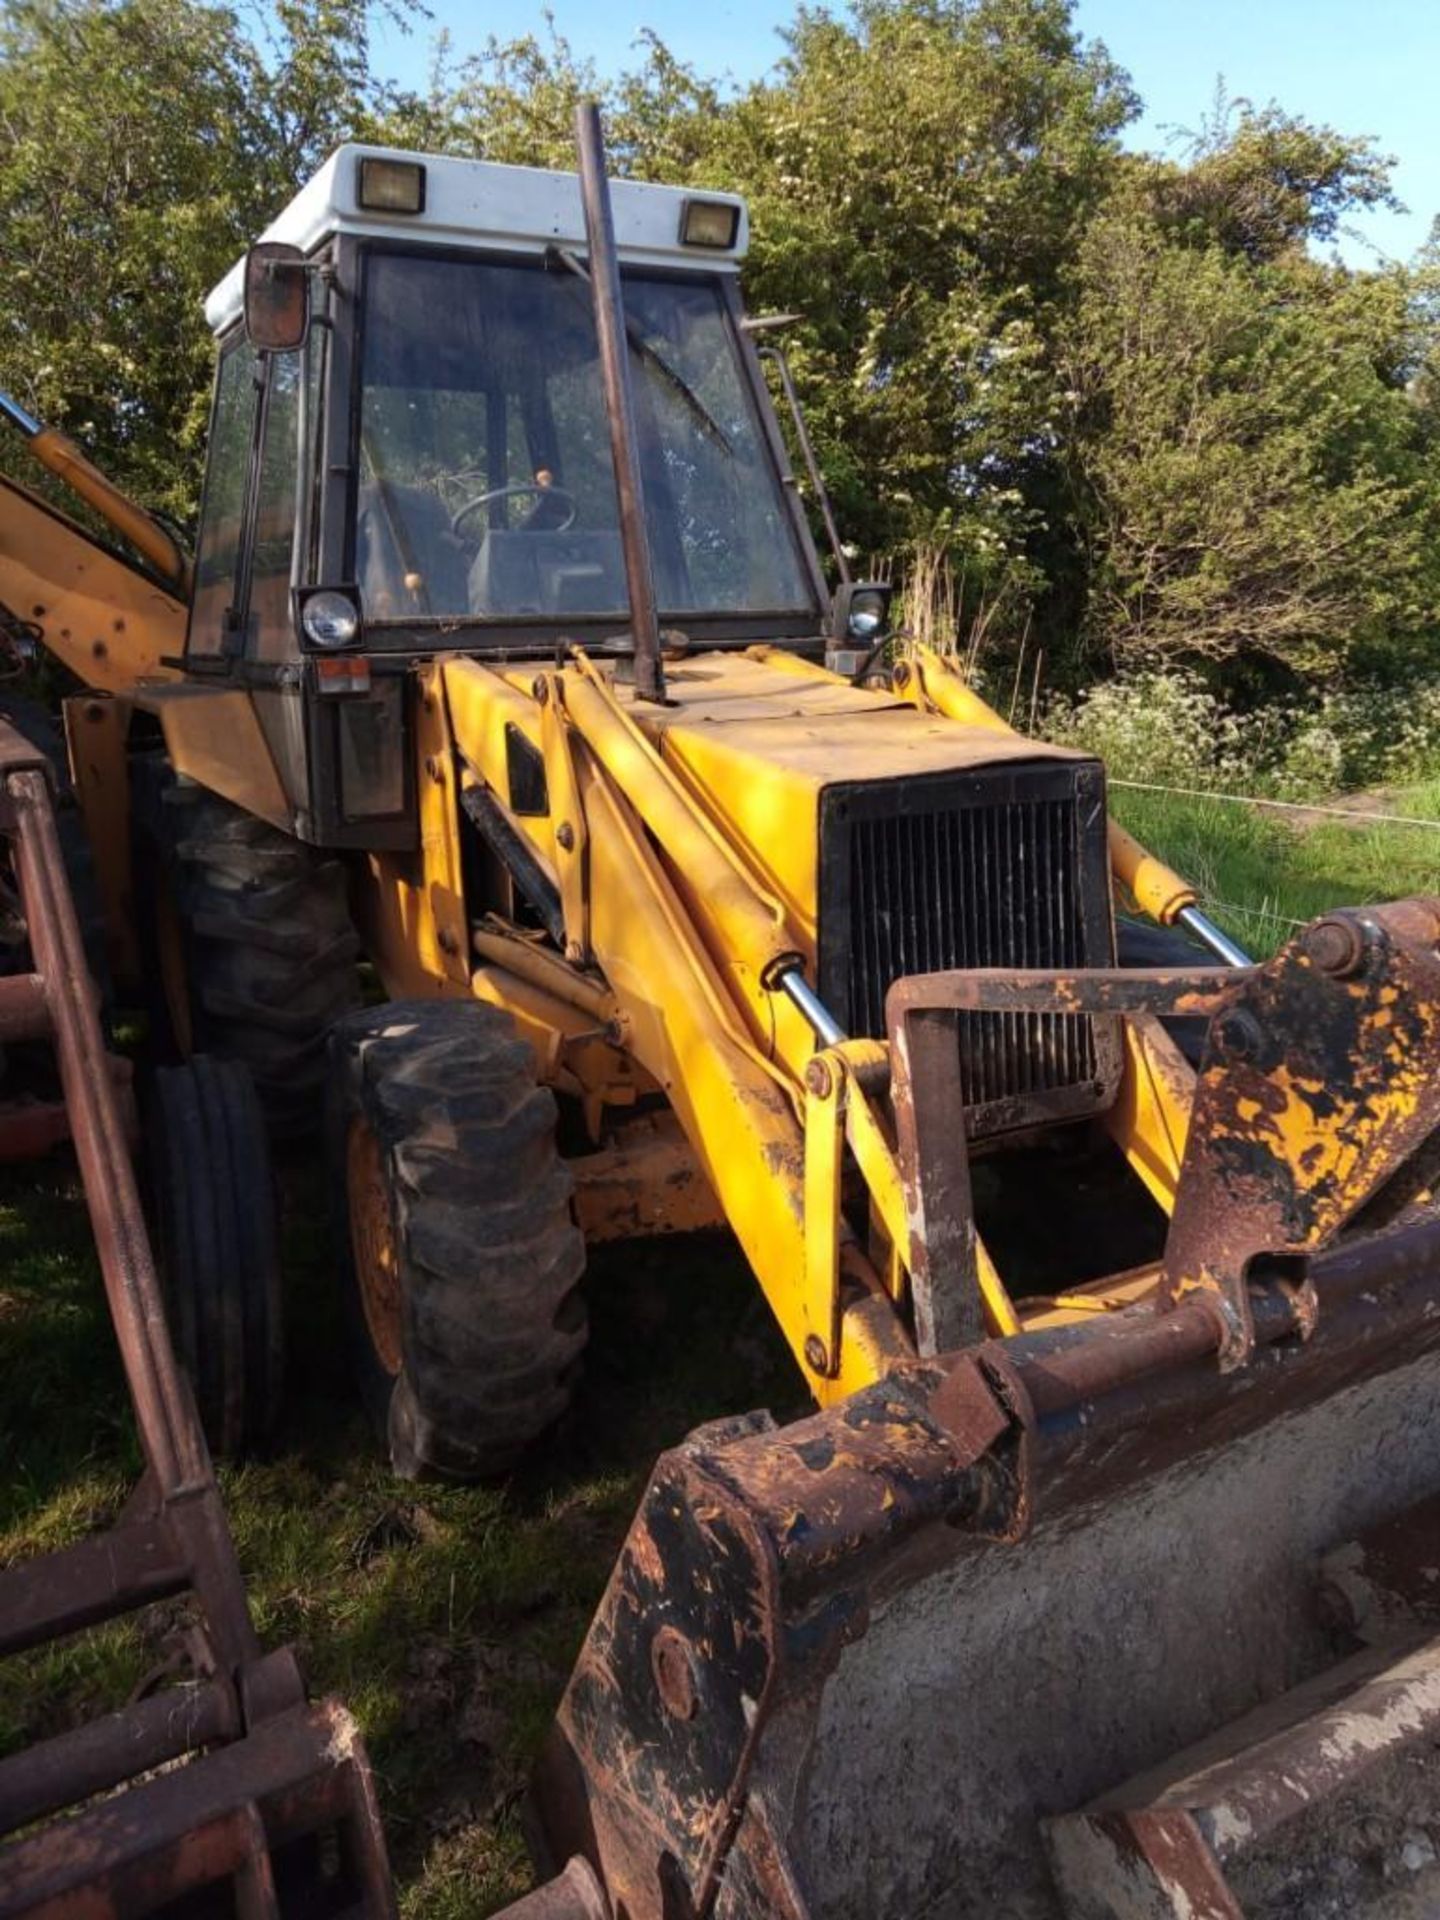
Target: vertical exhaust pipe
point(619, 401)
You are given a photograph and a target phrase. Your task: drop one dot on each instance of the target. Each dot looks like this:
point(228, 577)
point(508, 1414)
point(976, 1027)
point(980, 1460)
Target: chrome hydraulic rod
point(12, 411)
point(801, 994)
point(1219, 942)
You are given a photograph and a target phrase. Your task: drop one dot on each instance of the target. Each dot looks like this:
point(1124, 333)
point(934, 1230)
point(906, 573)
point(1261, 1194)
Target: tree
point(1252, 477)
point(143, 145)
point(919, 178)
point(1123, 395)
point(1261, 183)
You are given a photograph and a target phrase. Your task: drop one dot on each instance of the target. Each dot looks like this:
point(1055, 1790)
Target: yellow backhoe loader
point(1102, 1582)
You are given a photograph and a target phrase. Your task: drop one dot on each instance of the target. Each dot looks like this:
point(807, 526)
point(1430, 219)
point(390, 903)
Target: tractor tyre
point(249, 951)
point(217, 1247)
point(1141, 943)
point(461, 1255)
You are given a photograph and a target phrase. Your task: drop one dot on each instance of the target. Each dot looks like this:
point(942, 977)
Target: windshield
point(486, 486)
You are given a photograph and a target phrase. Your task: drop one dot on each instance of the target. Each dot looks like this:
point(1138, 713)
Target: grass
point(1259, 873)
point(447, 1618)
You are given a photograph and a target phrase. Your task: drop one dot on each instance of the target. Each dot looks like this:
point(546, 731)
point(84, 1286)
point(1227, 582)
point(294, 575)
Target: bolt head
point(1238, 1034)
point(817, 1078)
point(1336, 945)
point(565, 837)
point(816, 1357)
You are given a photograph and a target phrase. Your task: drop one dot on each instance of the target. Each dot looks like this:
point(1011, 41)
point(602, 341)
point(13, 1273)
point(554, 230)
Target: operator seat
point(406, 530)
point(522, 570)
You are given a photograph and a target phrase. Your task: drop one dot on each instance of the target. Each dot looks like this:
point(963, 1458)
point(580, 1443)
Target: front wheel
point(460, 1252)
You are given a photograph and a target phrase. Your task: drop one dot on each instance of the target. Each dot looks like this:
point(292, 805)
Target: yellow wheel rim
point(372, 1243)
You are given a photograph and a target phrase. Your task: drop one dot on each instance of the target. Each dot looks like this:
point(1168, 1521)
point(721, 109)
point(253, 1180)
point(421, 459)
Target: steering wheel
point(521, 487)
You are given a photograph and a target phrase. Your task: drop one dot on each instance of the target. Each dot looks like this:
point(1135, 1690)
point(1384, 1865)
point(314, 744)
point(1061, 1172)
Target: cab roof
point(482, 204)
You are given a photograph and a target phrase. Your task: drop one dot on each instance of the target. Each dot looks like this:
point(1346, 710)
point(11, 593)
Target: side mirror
point(277, 297)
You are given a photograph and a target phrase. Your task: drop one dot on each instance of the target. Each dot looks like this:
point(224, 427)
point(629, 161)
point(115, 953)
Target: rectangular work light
point(709, 223)
point(391, 186)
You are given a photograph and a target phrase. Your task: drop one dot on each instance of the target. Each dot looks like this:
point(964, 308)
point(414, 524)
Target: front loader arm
point(109, 623)
point(655, 894)
point(728, 1052)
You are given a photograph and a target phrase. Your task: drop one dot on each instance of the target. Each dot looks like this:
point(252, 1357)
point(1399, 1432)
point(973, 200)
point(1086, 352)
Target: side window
point(270, 629)
point(222, 517)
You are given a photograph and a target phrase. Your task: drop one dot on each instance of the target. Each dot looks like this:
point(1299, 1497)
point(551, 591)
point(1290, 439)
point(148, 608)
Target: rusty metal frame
point(261, 1764)
point(1316, 1090)
point(942, 1252)
point(1168, 1842)
point(757, 1550)
point(97, 729)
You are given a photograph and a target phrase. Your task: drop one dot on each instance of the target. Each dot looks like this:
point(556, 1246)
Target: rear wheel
point(462, 1258)
point(213, 1192)
point(251, 954)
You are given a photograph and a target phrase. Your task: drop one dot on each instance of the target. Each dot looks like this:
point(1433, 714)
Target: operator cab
point(436, 451)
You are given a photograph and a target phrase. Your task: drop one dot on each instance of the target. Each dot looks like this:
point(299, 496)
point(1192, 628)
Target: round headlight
point(866, 617)
point(329, 620)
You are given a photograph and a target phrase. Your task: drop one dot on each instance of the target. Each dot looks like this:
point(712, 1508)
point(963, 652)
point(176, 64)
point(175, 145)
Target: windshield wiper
point(645, 352)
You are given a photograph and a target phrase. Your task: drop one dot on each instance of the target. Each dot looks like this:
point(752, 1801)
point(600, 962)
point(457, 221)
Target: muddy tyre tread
point(270, 949)
point(214, 1199)
point(489, 1255)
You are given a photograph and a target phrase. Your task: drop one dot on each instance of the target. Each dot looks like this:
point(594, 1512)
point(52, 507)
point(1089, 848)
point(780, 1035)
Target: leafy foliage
point(143, 145)
point(919, 180)
point(1249, 472)
point(1128, 400)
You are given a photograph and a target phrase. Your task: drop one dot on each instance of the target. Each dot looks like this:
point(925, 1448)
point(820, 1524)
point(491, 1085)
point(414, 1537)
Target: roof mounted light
point(391, 186)
point(709, 223)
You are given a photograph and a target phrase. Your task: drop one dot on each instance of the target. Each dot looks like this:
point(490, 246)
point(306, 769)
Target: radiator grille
point(995, 868)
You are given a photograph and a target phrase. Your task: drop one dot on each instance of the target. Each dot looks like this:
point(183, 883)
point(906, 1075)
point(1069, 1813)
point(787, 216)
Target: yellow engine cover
point(758, 743)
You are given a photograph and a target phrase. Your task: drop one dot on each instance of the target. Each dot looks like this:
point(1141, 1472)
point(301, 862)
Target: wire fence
point(1264, 916)
point(1262, 913)
point(1364, 815)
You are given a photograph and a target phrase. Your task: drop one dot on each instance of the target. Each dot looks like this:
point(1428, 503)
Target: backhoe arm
point(59, 455)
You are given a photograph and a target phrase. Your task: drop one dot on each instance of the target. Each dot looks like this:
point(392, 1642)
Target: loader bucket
point(885, 1661)
point(1135, 1613)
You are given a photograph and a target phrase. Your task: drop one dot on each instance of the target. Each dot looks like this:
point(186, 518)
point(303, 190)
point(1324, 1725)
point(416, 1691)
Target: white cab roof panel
point(476, 203)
